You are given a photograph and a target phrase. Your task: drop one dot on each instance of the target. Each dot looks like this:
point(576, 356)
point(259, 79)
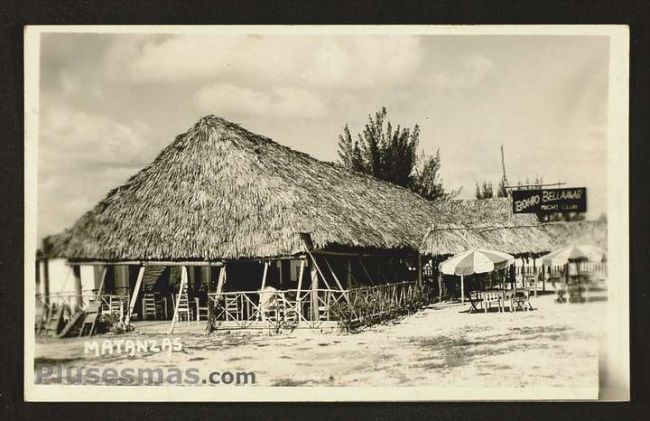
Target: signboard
point(550, 200)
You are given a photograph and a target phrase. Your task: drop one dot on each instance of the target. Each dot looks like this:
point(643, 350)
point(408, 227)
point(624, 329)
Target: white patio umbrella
point(573, 252)
point(474, 261)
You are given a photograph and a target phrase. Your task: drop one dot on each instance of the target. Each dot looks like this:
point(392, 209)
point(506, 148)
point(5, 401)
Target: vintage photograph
point(326, 213)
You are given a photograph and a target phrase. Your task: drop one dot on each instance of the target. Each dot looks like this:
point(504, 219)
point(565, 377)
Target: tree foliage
point(390, 154)
point(487, 190)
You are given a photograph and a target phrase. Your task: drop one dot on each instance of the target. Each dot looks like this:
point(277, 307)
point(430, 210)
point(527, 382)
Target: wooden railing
point(531, 277)
point(69, 298)
point(307, 307)
point(109, 302)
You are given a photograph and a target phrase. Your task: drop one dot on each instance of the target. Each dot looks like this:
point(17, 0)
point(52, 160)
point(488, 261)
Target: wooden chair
point(520, 300)
point(491, 297)
point(91, 316)
point(55, 322)
point(200, 310)
point(151, 306)
point(113, 304)
point(475, 300)
point(43, 318)
point(231, 307)
point(324, 307)
point(183, 305)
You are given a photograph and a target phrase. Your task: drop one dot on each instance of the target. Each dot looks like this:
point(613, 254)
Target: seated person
point(268, 300)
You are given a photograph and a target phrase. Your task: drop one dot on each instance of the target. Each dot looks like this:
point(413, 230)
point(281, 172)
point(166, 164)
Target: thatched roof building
point(222, 192)
point(525, 239)
point(54, 245)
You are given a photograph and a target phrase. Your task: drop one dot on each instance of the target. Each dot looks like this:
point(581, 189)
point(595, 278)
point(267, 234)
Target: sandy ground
point(556, 345)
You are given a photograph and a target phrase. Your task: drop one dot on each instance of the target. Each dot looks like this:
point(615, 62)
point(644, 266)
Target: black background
point(13, 15)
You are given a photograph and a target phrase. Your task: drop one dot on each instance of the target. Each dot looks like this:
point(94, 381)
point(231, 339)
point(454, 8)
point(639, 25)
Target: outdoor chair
point(200, 310)
point(91, 316)
point(113, 304)
point(231, 307)
point(475, 299)
point(521, 300)
point(491, 297)
point(151, 306)
point(507, 299)
point(183, 305)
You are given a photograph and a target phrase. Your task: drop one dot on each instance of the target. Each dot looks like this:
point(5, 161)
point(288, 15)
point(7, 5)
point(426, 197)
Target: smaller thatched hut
point(518, 240)
point(522, 237)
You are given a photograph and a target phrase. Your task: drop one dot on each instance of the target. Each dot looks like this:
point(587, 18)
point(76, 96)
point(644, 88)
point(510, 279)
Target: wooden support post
point(101, 284)
point(99, 299)
point(536, 277)
point(134, 297)
point(178, 298)
point(349, 274)
point(338, 283)
point(46, 280)
point(77, 299)
point(298, 297)
point(420, 269)
point(439, 286)
point(313, 260)
point(266, 270)
point(372, 282)
point(260, 314)
point(210, 326)
point(462, 289)
point(566, 282)
point(336, 279)
point(314, 293)
point(222, 280)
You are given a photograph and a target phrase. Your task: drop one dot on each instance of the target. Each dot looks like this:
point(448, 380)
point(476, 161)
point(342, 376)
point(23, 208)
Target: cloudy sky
point(110, 102)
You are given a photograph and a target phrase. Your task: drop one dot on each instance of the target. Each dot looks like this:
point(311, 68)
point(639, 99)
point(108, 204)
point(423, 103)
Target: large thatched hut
point(224, 211)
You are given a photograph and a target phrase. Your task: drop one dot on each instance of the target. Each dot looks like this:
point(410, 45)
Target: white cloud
point(319, 61)
point(71, 138)
point(468, 74)
point(81, 157)
point(230, 101)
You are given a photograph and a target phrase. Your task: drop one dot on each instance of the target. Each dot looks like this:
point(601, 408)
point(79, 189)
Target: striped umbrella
point(573, 253)
point(474, 261)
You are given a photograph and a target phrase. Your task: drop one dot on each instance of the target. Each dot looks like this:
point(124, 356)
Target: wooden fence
point(548, 278)
point(113, 303)
point(303, 307)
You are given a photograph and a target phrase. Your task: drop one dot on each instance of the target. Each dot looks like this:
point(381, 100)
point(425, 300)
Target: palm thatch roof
point(221, 192)
point(534, 238)
point(482, 212)
point(583, 232)
point(54, 245)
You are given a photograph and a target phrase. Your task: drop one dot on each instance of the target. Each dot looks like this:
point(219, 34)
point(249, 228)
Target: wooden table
point(514, 299)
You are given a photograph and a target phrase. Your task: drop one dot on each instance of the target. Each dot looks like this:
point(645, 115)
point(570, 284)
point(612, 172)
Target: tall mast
point(503, 165)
